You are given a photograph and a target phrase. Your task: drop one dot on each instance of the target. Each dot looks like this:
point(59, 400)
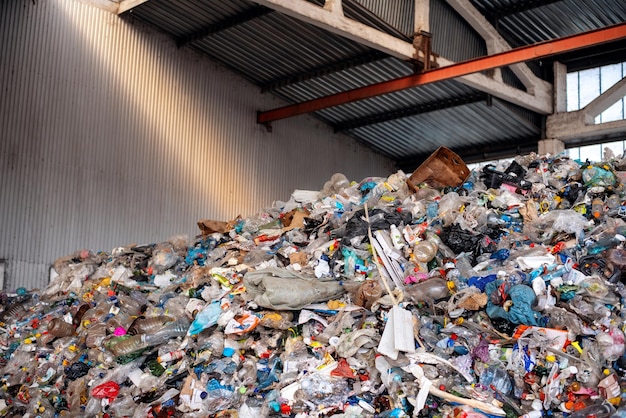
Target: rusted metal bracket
point(422, 42)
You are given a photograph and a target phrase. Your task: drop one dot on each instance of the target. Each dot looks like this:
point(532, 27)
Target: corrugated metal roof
point(275, 46)
point(458, 127)
point(298, 62)
point(553, 20)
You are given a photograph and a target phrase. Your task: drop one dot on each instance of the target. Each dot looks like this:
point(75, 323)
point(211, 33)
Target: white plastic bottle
point(396, 237)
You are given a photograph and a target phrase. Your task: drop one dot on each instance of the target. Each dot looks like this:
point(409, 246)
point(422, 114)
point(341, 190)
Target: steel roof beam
point(496, 43)
point(514, 56)
point(337, 23)
point(410, 111)
point(126, 5)
point(229, 22)
point(323, 70)
point(331, 18)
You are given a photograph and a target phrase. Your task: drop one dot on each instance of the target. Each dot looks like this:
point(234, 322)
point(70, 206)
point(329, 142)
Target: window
point(584, 86)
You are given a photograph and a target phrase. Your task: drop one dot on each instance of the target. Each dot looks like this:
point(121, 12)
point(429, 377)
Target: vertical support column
point(560, 87)
point(550, 146)
point(421, 32)
point(422, 17)
point(334, 6)
point(554, 146)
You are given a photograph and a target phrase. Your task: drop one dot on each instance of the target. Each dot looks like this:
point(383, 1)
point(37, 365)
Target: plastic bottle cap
point(228, 351)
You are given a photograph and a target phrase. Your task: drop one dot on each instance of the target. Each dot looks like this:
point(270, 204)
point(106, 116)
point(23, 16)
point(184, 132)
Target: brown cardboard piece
point(294, 219)
point(441, 169)
point(208, 226)
point(298, 258)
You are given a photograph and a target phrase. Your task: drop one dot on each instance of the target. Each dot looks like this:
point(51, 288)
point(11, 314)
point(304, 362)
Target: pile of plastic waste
point(501, 296)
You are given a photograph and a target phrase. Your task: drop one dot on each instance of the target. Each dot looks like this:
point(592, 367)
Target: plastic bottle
point(454, 275)
point(78, 316)
point(339, 182)
point(128, 345)
point(174, 329)
point(597, 208)
point(605, 243)
point(59, 328)
point(424, 251)
point(396, 237)
point(495, 375)
point(429, 290)
point(96, 334)
point(620, 413)
point(144, 325)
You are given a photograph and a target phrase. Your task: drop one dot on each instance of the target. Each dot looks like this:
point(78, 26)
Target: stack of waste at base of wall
point(500, 296)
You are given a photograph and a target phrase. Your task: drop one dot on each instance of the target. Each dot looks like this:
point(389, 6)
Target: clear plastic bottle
point(134, 343)
point(424, 251)
point(621, 412)
point(143, 325)
point(96, 334)
point(429, 290)
point(59, 328)
point(387, 373)
point(124, 346)
point(174, 329)
point(495, 375)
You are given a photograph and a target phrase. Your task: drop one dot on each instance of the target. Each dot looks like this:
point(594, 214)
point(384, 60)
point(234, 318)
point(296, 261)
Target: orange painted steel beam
point(513, 56)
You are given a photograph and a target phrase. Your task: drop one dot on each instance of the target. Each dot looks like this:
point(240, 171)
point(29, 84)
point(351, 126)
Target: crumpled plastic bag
point(108, 390)
point(206, 318)
point(281, 289)
point(350, 343)
point(597, 176)
point(568, 221)
point(520, 312)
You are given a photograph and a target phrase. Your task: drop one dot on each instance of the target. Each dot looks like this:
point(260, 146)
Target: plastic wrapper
point(547, 226)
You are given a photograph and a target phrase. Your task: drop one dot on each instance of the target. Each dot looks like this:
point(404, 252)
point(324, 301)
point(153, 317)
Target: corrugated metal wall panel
point(111, 136)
